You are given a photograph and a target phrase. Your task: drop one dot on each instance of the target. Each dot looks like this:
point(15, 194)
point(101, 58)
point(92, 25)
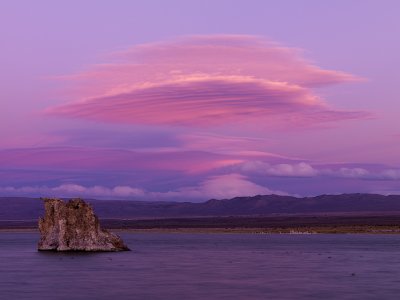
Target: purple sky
point(191, 100)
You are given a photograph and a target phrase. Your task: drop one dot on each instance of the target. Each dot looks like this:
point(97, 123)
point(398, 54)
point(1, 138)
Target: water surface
point(207, 266)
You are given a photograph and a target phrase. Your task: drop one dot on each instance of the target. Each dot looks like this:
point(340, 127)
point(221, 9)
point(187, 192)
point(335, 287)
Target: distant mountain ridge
point(18, 208)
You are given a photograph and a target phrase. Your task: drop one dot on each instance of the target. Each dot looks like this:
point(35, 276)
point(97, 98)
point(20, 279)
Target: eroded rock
point(73, 226)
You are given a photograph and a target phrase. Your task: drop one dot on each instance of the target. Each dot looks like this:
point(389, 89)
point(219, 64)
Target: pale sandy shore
point(308, 230)
point(311, 230)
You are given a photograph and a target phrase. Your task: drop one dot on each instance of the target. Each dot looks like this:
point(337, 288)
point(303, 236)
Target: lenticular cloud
point(206, 80)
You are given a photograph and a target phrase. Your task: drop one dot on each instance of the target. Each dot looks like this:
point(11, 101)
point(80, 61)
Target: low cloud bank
point(217, 187)
point(303, 169)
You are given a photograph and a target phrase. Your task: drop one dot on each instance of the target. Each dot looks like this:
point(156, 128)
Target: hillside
point(263, 205)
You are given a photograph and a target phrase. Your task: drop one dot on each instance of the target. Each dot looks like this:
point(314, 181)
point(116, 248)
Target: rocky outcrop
point(73, 226)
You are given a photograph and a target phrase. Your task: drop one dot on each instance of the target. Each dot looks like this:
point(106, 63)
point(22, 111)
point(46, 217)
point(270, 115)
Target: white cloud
point(353, 173)
point(292, 170)
point(392, 174)
point(221, 187)
point(218, 187)
point(75, 190)
point(301, 169)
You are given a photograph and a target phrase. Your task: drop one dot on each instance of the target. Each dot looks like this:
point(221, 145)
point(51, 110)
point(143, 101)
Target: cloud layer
point(100, 159)
point(75, 190)
point(207, 80)
point(217, 187)
point(178, 175)
point(220, 187)
point(303, 169)
point(191, 118)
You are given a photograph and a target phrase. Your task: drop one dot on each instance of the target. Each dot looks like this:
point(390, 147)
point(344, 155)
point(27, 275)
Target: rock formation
point(73, 226)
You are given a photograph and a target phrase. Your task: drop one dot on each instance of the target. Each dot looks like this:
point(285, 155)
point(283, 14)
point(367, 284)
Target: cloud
point(228, 144)
point(303, 169)
point(300, 169)
point(217, 187)
point(118, 136)
point(229, 55)
point(75, 190)
point(293, 170)
point(393, 174)
point(221, 187)
point(353, 173)
point(100, 159)
point(207, 81)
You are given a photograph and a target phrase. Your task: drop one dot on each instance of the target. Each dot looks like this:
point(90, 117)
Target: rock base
point(73, 226)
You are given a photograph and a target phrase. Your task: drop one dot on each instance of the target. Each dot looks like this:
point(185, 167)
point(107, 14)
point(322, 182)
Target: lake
point(207, 266)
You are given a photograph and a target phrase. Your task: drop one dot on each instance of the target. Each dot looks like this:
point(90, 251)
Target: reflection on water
point(207, 266)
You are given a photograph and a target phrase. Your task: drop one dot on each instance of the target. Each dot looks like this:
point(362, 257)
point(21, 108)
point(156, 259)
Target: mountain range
point(17, 208)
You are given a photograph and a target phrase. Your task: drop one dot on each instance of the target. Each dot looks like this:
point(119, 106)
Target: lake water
point(207, 266)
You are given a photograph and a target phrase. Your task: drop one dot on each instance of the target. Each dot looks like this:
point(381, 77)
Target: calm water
point(207, 266)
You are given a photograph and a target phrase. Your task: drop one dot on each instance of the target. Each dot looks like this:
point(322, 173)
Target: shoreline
point(298, 224)
point(286, 230)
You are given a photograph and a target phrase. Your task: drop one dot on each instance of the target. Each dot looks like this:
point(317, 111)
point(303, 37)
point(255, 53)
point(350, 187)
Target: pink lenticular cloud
point(205, 81)
point(230, 55)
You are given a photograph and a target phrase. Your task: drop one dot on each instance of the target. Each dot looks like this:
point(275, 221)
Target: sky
point(191, 100)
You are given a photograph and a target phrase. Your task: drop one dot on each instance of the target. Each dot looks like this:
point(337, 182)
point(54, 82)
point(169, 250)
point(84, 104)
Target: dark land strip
point(259, 224)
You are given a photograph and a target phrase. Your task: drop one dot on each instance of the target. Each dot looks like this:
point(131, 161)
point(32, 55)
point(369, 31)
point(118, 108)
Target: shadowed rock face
point(73, 226)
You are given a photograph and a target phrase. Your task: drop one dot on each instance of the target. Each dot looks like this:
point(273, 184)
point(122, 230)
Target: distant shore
point(297, 224)
point(294, 231)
